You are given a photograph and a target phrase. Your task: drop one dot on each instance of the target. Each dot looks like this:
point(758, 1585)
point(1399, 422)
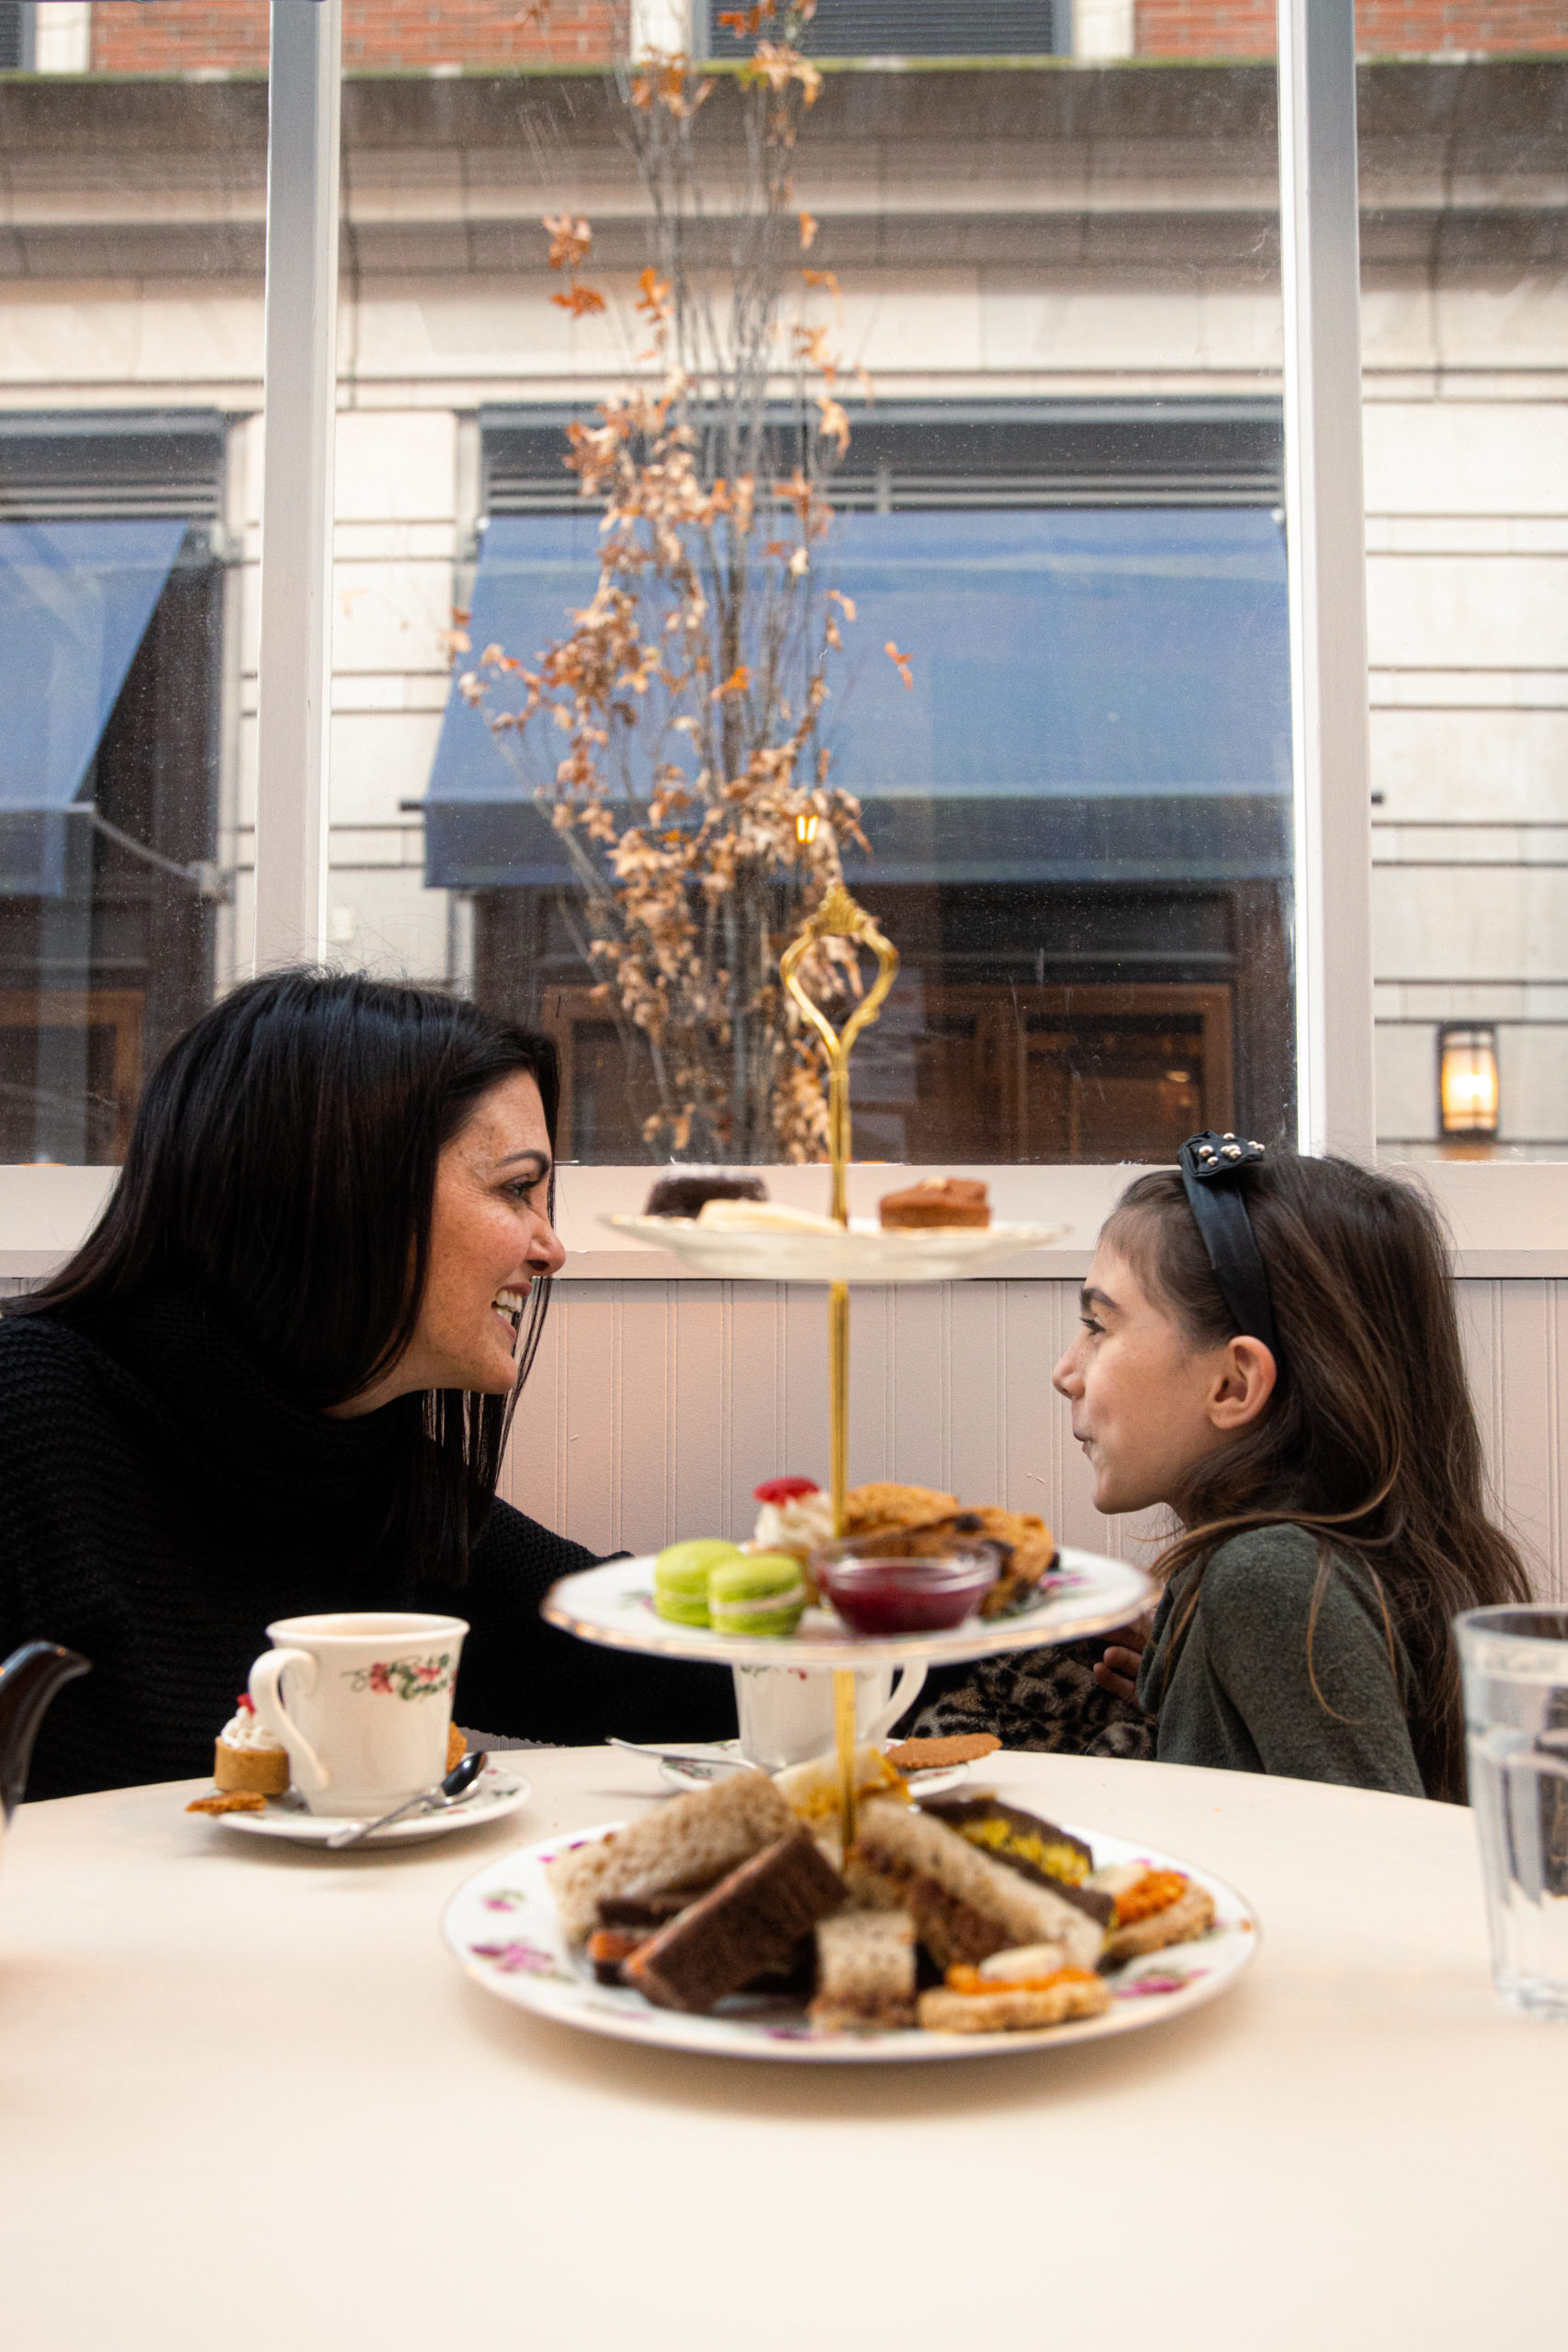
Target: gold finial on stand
point(837, 917)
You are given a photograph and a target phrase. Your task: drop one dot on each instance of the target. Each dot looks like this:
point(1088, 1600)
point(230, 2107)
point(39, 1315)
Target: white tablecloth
point(246, 2099)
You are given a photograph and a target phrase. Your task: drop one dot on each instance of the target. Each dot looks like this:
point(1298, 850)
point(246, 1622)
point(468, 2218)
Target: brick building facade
point(196, 36)
point(192, 36)
point(1384, 27)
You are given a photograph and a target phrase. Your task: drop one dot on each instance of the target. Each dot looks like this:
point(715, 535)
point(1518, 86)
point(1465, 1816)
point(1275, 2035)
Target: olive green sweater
point(1240, 1694)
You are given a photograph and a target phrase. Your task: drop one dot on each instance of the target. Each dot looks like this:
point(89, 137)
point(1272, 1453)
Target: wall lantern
point(1467, 1082)
point(805, 827)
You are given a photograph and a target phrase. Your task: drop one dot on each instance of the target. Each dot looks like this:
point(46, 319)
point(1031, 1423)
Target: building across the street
point(1057, 258)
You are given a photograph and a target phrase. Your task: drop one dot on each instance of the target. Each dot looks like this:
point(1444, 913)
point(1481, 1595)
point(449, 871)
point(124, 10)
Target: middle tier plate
point(859, 1252)
point(1086, 1594)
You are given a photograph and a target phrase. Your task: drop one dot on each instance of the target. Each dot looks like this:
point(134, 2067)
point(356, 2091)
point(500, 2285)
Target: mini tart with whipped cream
point(795, 1517)
point(248, 1759)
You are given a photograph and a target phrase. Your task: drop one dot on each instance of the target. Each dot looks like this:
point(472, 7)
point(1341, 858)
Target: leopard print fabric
point(1046, 1699)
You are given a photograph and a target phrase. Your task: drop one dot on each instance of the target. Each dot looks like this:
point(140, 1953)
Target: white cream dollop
point(798, 1525)
point(246, 1729)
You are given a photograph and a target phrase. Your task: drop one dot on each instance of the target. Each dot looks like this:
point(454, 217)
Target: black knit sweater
point(162, 1501)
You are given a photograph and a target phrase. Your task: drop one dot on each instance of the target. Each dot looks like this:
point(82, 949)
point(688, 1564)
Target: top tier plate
point(613, 1604)
point(863, 1252)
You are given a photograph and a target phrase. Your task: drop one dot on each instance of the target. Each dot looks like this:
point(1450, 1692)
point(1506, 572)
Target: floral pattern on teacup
point(404, 1677)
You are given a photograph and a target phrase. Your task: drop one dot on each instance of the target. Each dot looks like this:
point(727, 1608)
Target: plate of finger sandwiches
point(732, 1921)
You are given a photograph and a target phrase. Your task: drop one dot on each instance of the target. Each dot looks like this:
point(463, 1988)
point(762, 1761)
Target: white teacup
point(786, 1713)
point(362, 1703)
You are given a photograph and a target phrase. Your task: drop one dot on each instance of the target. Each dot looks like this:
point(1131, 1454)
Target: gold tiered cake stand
point(613, 1604)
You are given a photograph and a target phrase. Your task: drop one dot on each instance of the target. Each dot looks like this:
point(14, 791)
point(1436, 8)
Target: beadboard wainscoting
point(655, 1406)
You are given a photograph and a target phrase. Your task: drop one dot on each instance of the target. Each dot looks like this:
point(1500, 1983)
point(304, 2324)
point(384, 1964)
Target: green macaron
point(680, 1577)
point(762, 1592)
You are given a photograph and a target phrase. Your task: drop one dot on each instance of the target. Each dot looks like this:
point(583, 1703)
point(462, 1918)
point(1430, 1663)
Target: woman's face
point(1147, 1408)
point(491, 1238)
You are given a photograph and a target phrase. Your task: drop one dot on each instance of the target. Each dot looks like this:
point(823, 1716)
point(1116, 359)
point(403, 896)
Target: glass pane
point(986, 360)
point(132, 387)
point(1465, 353)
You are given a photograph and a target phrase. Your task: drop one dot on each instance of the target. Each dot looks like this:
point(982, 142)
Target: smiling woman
point(278, 1379)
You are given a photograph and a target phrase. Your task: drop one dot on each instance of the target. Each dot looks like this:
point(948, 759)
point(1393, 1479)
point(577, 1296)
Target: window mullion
point(1320, 246)
point(300, 400)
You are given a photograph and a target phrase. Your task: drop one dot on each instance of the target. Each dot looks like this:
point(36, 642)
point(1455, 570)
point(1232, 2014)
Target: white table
point(246, 2100)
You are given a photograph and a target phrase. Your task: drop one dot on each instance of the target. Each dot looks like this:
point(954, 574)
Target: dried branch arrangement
point(675, 732)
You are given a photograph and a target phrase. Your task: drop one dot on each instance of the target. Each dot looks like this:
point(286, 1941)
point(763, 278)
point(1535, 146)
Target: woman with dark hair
point(277, 1378)
point(1269, 1348)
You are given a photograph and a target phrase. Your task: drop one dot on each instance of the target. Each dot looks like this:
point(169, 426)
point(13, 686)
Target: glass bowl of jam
point(876, 1592)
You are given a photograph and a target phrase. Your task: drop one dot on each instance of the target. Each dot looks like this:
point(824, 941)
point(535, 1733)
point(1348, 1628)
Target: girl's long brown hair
point(1370, 1440)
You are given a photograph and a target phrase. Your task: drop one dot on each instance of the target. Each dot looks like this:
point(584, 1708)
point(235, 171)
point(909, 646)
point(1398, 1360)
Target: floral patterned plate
point(502, 1926)
point(494, 1794)
point(1085, 1593)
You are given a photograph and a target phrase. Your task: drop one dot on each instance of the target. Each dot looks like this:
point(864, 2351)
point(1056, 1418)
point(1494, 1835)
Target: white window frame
point(1507, 1217)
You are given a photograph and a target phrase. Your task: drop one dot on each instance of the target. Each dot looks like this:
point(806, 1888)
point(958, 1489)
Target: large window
point(1465, 328)
point(111, 607)
point(1078, 818)
point(1061, 498)
point(1062, 501)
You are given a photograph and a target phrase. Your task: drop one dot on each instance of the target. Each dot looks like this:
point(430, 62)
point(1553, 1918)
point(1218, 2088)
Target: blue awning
point(1098, 694)
point(76, 599)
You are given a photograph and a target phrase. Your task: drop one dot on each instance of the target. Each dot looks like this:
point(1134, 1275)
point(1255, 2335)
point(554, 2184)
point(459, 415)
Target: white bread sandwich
point(865, 1971)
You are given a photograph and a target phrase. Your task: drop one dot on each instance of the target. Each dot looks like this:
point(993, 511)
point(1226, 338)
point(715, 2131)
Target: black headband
point(1210, 1164)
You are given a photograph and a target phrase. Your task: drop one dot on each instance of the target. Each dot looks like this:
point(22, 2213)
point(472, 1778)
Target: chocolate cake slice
point(683, 1191)
point(750, 1921)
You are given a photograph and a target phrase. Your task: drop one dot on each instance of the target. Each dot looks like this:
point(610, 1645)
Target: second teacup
point(786, 1713)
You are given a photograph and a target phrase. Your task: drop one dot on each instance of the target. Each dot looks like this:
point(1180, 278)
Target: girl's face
point(1147, 1408)
point(491, 1238)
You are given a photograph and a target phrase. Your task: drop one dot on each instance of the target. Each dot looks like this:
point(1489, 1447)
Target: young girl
point(1269, 1348)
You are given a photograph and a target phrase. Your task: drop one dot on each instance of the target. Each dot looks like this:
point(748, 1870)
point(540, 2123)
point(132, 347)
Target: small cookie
point(936, 1755)
point(456, 1747)
point(229, 1801)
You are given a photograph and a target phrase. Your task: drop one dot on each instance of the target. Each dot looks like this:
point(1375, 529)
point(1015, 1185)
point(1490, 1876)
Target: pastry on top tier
point(248, 1759)
point(683, 1191)
point(937, 1200)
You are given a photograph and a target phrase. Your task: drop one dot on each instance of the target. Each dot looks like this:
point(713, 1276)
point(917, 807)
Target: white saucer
point(495, 1794)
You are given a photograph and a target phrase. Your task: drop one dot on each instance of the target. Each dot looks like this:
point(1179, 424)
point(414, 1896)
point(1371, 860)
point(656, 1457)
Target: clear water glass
point(1515, 1705)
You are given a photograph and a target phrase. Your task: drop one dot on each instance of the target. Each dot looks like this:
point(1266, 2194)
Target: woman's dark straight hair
point(282, 1166)
point(1369, 1439)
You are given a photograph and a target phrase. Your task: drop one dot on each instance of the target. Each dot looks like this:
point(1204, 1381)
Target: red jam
point(876, 1597)
point(783, 1490)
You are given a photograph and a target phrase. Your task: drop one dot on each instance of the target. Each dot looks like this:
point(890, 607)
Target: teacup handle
point(909, 1682)
point(266, 1698)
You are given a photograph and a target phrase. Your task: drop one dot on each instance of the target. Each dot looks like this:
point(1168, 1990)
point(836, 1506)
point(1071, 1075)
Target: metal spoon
point(709, 1763)
point(712, 1753)
point(445, 1793)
